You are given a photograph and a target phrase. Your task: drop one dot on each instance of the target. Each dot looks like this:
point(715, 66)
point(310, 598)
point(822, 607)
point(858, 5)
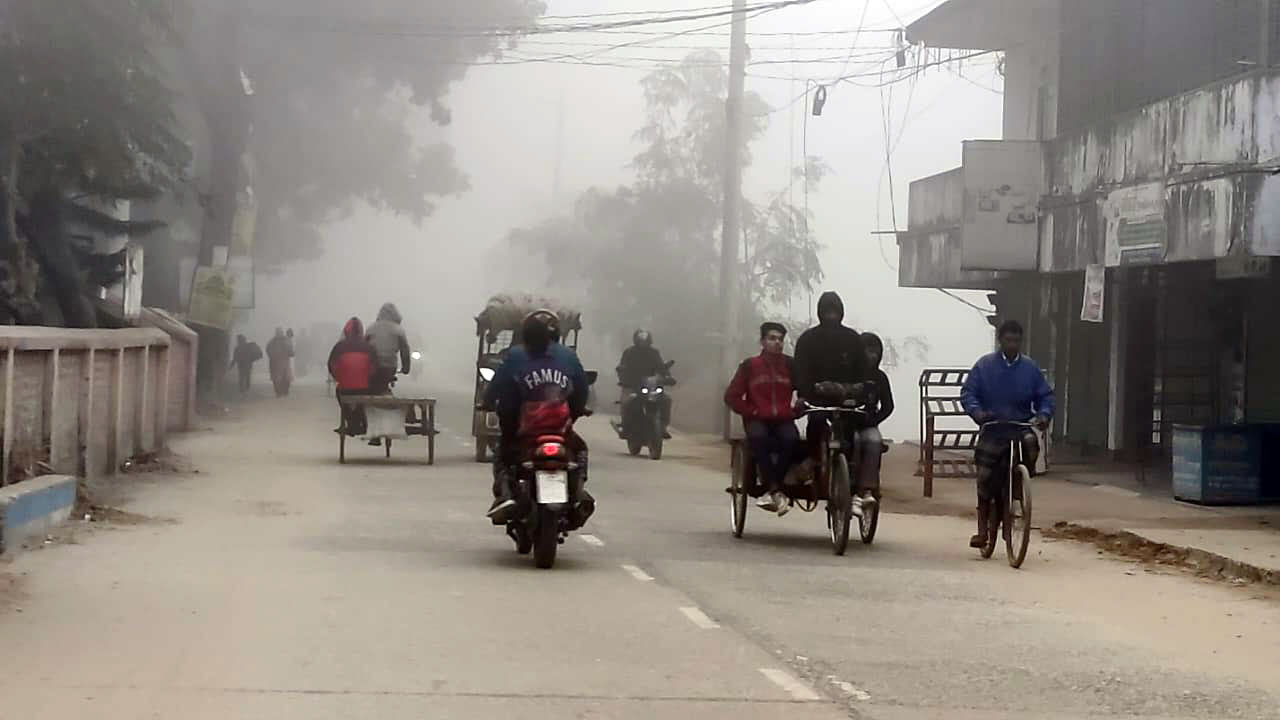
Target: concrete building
point(1135, 186)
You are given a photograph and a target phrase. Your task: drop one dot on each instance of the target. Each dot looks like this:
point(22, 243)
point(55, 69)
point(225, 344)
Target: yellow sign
point(211, 295)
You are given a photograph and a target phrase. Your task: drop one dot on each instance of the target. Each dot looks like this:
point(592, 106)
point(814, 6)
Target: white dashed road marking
point(850, 690)
point(592, 540)
point(637, 573)
point(790, 684)
point(699, 618)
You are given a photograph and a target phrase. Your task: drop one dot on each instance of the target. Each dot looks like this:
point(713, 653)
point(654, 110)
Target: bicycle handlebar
point(1008, 423)
point(851, 409)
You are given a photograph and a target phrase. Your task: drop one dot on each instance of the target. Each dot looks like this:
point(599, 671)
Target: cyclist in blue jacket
point(1004, 386)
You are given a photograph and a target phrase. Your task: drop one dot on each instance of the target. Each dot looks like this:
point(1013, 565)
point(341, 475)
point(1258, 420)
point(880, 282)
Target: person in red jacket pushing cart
point(761, 393)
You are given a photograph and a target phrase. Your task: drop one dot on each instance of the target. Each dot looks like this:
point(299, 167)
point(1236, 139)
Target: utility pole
point(555, 183)
point(729, 275)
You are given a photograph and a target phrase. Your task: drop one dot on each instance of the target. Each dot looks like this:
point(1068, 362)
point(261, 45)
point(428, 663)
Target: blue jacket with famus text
point(526, 377)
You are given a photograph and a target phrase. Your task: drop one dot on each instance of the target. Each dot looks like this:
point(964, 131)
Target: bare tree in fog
point(648, 252)
point(335, 86)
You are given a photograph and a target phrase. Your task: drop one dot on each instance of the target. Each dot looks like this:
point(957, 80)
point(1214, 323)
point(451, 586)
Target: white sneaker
point(767, 503)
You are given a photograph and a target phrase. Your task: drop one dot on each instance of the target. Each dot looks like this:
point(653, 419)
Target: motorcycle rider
point(831, 364)
point(761, 393)
point(389, 340)
point(539, 370)
point(639, 362)
point(1004, 386)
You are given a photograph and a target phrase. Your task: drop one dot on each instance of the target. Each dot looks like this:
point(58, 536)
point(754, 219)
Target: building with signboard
point(1140, 139)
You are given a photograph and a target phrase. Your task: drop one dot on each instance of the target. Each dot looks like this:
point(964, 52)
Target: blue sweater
point(1011, 392)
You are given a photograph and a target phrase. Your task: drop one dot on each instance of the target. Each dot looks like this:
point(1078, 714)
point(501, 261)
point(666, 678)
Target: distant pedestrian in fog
point(242, 358)
point(279, 354)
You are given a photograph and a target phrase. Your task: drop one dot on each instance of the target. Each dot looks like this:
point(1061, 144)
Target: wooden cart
point(423, 425)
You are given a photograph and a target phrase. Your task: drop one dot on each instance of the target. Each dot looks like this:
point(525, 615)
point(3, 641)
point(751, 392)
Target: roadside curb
point(31, 508)
point(1132, 545)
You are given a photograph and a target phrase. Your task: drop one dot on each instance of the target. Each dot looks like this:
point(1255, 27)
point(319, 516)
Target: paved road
point(277, 584)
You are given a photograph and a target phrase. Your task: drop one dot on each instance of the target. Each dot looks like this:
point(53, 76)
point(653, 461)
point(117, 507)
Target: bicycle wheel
point(839, 504)
point(1019, 518)
point(738, 490)
point(869, 522)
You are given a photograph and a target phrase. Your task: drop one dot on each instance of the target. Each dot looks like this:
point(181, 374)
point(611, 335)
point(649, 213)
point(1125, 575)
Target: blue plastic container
point(1218, 465)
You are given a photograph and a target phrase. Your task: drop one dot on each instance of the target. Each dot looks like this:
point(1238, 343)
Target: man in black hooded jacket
point(829, 352)
point(832, 353)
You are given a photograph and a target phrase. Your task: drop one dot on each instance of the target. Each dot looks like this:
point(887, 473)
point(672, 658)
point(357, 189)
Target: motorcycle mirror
point(592, 376)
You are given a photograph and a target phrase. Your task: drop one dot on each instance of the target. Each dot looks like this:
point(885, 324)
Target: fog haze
point(507, 132)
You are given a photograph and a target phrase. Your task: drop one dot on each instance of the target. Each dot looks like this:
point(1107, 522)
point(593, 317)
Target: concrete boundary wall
point(83, 401)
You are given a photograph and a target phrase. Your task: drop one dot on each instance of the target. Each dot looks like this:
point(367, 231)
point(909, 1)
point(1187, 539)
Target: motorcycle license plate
point(553, 488)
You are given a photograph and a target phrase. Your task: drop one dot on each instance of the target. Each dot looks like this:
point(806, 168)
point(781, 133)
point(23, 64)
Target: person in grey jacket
point(391, 348)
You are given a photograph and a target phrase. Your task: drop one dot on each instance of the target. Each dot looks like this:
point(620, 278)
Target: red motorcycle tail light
point(550, 450)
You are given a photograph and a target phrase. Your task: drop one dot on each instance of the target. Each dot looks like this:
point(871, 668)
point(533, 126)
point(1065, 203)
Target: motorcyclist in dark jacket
point(540, 370)
point(640, 362)
point(830, 358)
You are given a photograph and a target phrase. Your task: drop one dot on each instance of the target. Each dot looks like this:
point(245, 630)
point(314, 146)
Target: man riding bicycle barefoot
point(1004, 387)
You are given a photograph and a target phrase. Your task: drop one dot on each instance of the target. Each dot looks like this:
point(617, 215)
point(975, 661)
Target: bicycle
point(1011, 510)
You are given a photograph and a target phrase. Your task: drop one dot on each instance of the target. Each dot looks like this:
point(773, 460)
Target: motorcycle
point(641, 424)
point(548, 486)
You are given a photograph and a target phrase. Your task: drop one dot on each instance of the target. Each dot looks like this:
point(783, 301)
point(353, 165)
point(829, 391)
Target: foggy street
point(276, 583)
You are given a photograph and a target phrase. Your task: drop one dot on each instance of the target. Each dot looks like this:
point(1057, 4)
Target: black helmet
point(642, 338)
point(539, 329)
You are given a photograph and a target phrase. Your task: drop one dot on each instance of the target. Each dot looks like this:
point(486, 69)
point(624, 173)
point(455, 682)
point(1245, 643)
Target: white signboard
point(1003, 182)
point(1095, 294)
point(1135, 225)
point(133, 282)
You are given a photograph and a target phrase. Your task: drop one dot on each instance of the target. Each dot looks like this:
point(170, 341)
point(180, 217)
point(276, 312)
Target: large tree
point(84, 121)
point(336, 89)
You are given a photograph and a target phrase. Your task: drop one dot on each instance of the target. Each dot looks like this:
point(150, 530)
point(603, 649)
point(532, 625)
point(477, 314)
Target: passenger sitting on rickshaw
point(761, 393)
point(351, 364)
point(881, 406)
point(831, 361)
point(533, 372)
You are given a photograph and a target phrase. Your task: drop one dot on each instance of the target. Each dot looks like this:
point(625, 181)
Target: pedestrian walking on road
point(279, 355)
point(242, 358)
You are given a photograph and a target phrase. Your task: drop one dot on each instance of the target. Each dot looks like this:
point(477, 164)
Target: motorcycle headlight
point(644, 391)
point(415, 355)
point(659, 391)
point(487, 374)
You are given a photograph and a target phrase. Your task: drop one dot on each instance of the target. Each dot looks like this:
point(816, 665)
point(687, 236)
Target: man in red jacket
point(352, 363)
point(761, 393)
